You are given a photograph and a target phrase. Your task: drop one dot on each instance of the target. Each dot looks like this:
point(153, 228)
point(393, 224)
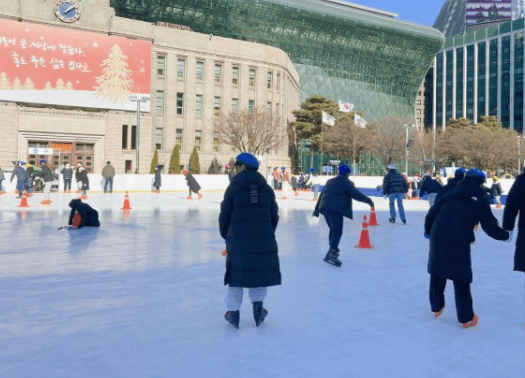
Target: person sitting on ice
point(247, 221)
point(193, 185)
point(335, 203)
point(88, 215)
point(449, 225)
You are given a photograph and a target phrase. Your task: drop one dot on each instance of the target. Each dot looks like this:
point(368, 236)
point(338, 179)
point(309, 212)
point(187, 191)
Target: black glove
point(316, 214)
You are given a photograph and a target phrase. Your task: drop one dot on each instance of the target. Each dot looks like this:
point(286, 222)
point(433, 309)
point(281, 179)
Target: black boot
point(331, 258)
point(392, 220)
point(233, 317)
point(259, 313)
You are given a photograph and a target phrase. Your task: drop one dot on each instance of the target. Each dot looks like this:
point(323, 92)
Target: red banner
point(53, 65)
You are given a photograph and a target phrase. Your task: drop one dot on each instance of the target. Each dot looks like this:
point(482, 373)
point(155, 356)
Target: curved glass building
point(341, 50)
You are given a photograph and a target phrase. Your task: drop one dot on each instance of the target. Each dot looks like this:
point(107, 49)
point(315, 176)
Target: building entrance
point(64, 153)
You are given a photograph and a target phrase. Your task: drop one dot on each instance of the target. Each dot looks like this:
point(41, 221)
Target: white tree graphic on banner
point(28, 84)
point(115, 83)
point(4, 81)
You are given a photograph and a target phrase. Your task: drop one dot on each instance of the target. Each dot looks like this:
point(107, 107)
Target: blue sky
point(419, 11)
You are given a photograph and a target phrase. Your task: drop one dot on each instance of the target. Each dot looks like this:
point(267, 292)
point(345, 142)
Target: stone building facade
point(193, 76)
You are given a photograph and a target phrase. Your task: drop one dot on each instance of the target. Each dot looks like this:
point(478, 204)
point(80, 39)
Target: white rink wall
point(177, 183)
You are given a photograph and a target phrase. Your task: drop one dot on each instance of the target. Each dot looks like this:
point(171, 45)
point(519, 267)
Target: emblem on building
point(67, 10)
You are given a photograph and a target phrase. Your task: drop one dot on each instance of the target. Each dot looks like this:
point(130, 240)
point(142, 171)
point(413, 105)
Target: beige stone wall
point(23, 122)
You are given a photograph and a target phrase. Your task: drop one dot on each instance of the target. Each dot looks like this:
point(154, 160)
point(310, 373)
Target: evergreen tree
point(154, 161)
point(214, 167)
point(232, 163)
point(195, 167)
point(458, 123)
point(175, 160)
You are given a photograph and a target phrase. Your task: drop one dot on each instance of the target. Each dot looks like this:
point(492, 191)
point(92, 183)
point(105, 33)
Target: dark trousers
point(464, 309)
point(67, 184)
point(335, 223)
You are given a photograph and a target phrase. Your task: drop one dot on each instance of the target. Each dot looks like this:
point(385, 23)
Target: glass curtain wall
point(459, 82)
point(439, 89)
point(482, 78)
point(505, 81)
point(449, 89)
point(518, 82)
point(470, 83)
point(493, 77)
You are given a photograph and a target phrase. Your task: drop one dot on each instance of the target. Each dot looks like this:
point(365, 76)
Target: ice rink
point(143, 296)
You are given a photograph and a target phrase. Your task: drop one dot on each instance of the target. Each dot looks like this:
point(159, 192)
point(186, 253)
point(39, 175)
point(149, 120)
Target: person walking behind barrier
point(335, 203)
point(395, 186)
point(108, 172)
point(67, 176)
point(449, 225)
point(247, 221)
point(83, 181)
point(157, 180)
point(193, 185)
point(48, 178)
point(496, 191)
point(30, 175)
point(2, 178)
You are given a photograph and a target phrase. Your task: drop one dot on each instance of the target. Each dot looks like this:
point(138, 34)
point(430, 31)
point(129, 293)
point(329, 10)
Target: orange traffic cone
point(23, 202)
point(373, 219)
point(126, 205)
point(364, 239)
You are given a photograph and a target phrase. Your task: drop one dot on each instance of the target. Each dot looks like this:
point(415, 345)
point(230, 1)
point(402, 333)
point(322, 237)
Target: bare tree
point(255, 132)
point(390, 138)
point(348, 141)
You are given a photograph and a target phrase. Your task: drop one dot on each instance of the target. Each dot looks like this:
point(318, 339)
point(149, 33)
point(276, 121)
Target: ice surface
point(143, 297)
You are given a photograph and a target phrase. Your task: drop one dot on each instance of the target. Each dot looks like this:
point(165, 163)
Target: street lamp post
point(138, 99)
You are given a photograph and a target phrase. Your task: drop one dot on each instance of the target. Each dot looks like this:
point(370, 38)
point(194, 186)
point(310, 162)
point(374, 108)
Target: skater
point(21, 176)
point(459, 175)
point(48, 178)
point(516, 203)
point(83, 182)
point(77, 178)
point(157, 181)
point(88, 215)
point(247, 221)
point(193, 185)
point(301, 182)
point(294, 185)
point(449, 225)
point(108, 172)
point(2, 178)
point(395, 186)
point(275, 175)
point(496, 191)
point(30, 175)
point(67, 176)
point(286, 182)
point(335, 203)
point(314, 182)
point(431, 187)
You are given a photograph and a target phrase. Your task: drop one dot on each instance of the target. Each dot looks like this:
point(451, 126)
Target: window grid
point(251, 105)
point(215, 142)
point(269, 109)
point(235, 105)
point(198, 139)
point(178, 138)
point(235, 75)
point(251, 77)
point(180, 68)
point(269, 83)
point(161, 64)
point(198, 106)
point(216, 106)
point(180, 103)
point(199, 71)
point(218, 72)
point(160, 102)
point(158, 138)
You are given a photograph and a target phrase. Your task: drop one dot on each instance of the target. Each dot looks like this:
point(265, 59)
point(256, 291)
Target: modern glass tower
point(341, 50)
point(481, 73)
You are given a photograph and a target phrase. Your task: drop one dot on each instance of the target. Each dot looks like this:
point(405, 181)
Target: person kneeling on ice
point(247, 221)
point(88, 215)
point(449, 225)
point(334, 203)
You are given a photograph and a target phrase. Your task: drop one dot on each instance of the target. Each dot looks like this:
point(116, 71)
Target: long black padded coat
point(450, 224)
point(89, 216)
point(248, 219)
point(337, 197)
point(192, 183)
point(516, 202)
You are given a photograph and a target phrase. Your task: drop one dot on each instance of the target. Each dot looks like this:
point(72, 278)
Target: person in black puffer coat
point(88, 215)
point(395, 187)
point(157, 180)
point(449, 225)
point(431, 187)
point(459, 175)
point(516, 204)
point(335, 203)
point(247, 221)
point(67, 175)
point(496, 191)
